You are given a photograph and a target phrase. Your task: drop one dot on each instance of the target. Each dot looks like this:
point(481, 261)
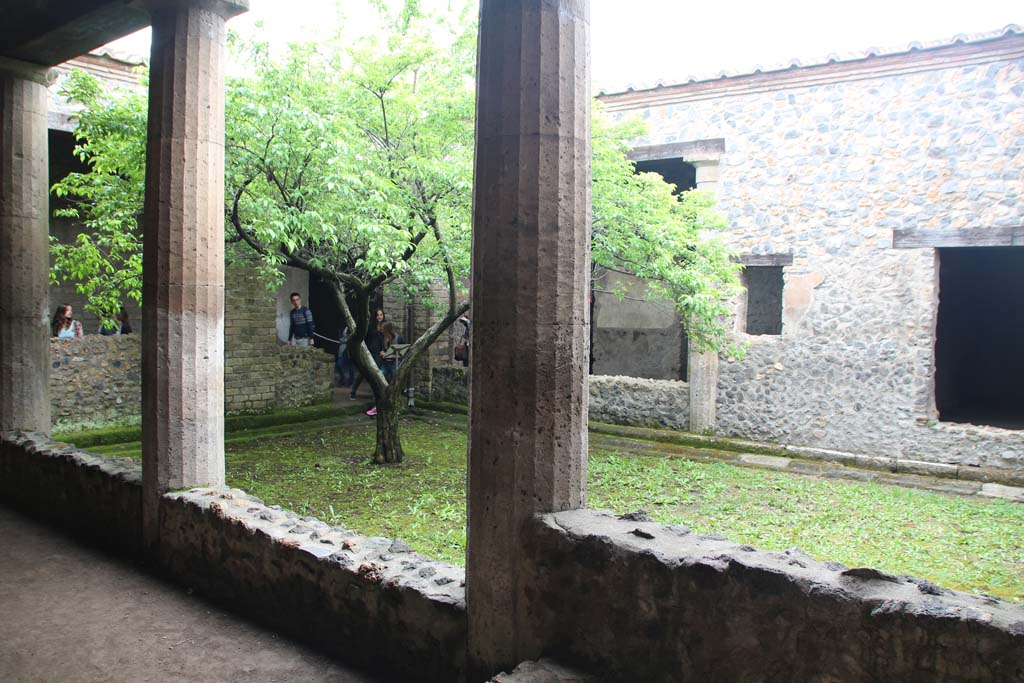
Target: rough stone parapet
point(95, 496)
point(96, 381)
point(543, 671)
point(642, 402)
point(368, 600)
point(701, 607)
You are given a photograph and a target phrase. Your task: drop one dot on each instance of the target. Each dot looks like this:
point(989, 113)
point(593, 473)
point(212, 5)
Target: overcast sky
point(641, 41)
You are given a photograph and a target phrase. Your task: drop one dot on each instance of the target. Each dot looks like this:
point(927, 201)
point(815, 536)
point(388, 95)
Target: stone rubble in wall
point(120, 469)
point(823, 172)
point(391, 563)
point(678, 546)
point(636, 401)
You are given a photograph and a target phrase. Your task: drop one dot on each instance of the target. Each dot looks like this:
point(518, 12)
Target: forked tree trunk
point(389, 443)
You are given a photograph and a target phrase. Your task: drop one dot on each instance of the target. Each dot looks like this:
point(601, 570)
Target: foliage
point(641, 228)
point(353, 161)
point(105, 261)
point(964, 543)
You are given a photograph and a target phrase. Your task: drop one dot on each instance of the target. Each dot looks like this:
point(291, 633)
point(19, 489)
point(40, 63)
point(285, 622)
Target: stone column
point(24, 259)
point(531, 268)
point(183, 254)
point(703, 365)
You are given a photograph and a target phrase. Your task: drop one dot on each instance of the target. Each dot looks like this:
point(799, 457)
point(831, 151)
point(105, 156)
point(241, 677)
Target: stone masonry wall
point(825, 171)
point(633, 600)
point(92, 496)
point(638, 601)
point(96, 381)
point(371, 601)
point(618, 400)
point(641, 402)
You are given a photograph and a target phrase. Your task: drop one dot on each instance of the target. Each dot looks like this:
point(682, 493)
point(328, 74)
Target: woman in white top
point(63, 325)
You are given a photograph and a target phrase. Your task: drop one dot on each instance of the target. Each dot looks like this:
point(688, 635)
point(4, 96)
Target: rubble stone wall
point(91, 496)
point(640, 402)
point(622, 596)
point(825, 169)
point(638, 601)
point(369, 600)
point(618, 400)
point(96, 381)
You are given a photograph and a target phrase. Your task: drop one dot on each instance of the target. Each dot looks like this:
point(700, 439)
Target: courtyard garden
point(321, 467)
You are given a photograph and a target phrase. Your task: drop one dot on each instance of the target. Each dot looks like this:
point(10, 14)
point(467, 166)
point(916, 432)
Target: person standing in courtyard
point(374, 344)
point(63, 326)
point(301, 330)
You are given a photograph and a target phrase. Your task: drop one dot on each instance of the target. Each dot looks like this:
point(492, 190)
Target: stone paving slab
point(71, 613)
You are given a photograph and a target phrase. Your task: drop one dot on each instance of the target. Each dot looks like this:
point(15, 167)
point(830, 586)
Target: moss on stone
point(235, 423)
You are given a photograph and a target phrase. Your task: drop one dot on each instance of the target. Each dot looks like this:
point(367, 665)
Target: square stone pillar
point(531, 270)
point(703, 365)
point(183, 254)
point(24, 246)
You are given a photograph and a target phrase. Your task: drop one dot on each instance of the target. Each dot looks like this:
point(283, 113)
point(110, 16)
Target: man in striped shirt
point(301, 330)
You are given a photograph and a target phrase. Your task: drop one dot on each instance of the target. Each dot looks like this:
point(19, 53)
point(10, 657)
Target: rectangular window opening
point(764, 299)
point(979, 369)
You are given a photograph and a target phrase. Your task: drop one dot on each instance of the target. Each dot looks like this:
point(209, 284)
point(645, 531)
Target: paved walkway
point(69, 613)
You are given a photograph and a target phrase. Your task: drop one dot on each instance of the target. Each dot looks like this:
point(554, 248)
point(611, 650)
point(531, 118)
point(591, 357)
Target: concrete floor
point(69, 613)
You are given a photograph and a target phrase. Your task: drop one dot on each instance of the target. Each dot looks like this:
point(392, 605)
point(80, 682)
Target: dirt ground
point(69, 613)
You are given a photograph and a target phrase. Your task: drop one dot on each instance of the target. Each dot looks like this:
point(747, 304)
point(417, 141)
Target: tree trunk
point(389, 443)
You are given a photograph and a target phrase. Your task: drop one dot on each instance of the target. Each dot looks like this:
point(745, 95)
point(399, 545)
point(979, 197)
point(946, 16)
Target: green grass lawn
point(323, 470)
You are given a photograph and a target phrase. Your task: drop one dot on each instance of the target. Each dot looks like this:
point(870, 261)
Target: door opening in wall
point(979, 369)
point(764, 285)
point(629, 334)
point(675, 171)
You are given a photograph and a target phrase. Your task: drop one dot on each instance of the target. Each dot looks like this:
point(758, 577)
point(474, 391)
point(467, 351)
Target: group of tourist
point(64, 326)
point(386, 348)
point(382, 340)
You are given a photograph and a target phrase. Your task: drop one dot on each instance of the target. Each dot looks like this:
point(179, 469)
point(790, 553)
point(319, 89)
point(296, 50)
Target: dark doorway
point(675, 171)
point(325, 314)
point(631, 336)
point(979, 368)
point(764, 299)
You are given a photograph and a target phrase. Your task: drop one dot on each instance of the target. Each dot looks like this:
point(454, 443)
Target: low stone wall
point(448, 384)
point(368, 600)
point(623, 596)
point(807, 392)
point(639, 601)
point(96, 381)
point(618, 400)
point(91, 496)
point(639, 402)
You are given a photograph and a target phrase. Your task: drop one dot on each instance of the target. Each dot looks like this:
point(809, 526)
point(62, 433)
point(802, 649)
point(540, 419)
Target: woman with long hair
point(63, 326)
point(374, 344)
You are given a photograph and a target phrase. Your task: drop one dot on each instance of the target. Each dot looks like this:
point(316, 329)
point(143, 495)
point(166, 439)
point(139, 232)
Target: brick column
point(24, 261)
point(531, 268)
point(183, 254)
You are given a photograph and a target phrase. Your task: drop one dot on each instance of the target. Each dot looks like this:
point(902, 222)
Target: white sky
point(641, 41)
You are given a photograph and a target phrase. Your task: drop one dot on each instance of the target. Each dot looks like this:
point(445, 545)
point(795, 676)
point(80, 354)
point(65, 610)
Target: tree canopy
point(353, 160)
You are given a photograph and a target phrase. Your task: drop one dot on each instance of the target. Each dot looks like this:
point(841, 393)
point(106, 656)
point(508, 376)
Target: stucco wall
point(636, 336)
point(826, 171)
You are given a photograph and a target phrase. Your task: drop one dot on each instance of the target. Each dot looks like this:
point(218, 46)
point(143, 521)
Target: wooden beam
point(916, 238)
point(766, 259)
point(693, 150)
